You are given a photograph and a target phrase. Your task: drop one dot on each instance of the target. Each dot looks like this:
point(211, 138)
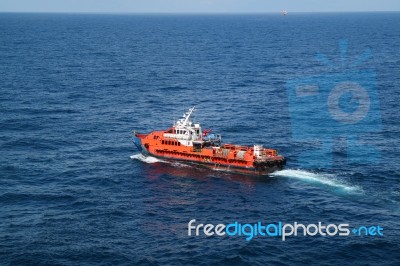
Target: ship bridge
point(189, 133)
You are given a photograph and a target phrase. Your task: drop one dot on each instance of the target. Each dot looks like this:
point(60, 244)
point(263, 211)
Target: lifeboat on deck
point(185, 141)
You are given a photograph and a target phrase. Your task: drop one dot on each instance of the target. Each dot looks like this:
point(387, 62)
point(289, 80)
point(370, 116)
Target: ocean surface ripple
point(75, 191)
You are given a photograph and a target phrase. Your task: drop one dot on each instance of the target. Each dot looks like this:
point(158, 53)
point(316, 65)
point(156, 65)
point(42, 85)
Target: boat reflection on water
point(158, 169)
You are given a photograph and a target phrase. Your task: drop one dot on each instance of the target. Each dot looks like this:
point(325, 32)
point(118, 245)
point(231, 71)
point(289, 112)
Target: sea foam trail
point(317, 178)
point(146, 159)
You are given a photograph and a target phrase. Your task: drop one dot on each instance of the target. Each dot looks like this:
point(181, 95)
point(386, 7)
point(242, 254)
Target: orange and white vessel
point(185, 141)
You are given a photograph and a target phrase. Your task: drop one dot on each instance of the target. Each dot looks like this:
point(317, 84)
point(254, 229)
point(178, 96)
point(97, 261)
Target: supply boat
point(185, 141)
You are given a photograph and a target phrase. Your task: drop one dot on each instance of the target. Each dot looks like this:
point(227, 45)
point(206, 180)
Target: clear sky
point(197, 6)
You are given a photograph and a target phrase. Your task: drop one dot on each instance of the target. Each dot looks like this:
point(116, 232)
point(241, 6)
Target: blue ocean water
point(73, 87)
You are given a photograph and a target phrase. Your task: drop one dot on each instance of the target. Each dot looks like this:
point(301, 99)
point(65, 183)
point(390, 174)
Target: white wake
point(146, 159)
point(317, 178)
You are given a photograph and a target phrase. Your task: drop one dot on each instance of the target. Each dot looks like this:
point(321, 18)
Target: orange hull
point(229, 157)
point(186, 142)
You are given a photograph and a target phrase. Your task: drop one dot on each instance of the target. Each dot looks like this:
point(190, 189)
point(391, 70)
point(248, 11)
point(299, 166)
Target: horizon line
point(192, 13)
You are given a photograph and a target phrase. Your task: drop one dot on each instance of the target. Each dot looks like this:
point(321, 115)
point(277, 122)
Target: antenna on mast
point(188, 114)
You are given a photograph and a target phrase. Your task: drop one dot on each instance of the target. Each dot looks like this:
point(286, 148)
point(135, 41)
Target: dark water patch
point(24, 197)
point(37, 143)
point(173, 88)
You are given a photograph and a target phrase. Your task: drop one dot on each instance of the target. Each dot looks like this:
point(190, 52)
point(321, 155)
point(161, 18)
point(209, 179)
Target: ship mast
point(186, 117)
